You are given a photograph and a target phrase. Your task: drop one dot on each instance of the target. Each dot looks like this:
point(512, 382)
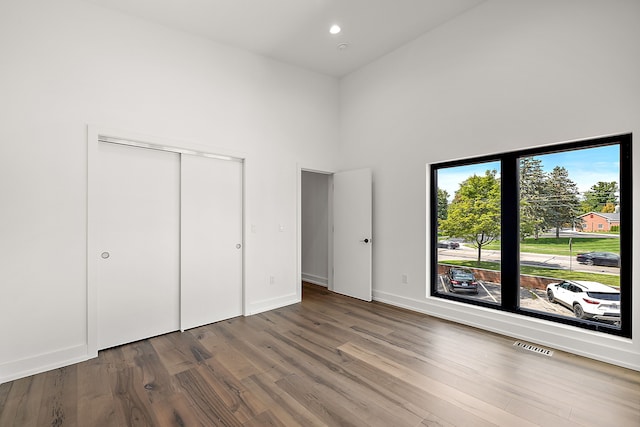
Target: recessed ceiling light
point(335, 29)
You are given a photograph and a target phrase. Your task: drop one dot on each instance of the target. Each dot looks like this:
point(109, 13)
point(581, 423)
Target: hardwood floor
point(330, 360)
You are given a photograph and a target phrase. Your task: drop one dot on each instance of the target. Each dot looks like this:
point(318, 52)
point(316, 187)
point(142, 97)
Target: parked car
point(588, 300)
point(462, 279)
point(448, 244)
point(599, 258)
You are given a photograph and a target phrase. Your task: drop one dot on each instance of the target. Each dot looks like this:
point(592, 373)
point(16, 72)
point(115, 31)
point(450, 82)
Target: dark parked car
point(599, 258)
point(448, 244)
point(461, 279)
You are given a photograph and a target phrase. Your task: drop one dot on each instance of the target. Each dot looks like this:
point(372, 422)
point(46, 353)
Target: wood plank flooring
point(328, 361)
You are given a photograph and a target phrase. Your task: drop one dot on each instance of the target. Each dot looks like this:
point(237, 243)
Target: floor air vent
point(533, 348)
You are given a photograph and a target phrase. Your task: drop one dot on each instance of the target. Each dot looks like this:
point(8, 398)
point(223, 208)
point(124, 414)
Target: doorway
point(316, 244)
point(335, 242)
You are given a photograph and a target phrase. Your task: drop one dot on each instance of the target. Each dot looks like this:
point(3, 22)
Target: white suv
point(588, 300)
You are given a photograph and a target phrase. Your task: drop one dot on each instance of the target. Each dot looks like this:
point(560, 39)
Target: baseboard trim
point(17, 369)
point(271, 304)
point(316, 280)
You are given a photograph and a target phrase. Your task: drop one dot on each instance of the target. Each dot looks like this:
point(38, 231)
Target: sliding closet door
point(211, 240)
point(138, 224)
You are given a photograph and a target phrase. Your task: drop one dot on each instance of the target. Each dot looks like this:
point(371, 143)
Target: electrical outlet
point(405, 279)
point(272, 280)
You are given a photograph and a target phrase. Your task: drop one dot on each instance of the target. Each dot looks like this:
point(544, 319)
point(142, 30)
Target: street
point(541, 260)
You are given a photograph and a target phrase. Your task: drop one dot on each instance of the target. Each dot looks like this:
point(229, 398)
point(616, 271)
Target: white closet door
point(211, 240)
point(138, 214)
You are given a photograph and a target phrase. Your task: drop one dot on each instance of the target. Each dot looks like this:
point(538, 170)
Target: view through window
point(541, 232)
point(469, 231)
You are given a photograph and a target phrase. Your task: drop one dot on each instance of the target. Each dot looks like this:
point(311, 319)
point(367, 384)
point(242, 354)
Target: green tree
point(474, 213)
point(599, 195)
point(563, 202)
point(532, 197)
point(443, 204)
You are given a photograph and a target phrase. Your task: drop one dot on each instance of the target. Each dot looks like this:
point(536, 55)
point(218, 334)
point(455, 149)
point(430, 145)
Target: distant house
point(598, 221)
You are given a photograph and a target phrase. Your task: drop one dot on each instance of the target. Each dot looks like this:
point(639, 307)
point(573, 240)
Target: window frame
point(510, 221)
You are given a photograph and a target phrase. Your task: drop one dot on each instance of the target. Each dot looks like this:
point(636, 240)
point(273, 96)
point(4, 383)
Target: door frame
point(299, 229)
point(97, 135)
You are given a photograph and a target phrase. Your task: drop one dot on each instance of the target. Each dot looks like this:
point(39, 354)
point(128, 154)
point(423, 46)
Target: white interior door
point(211, 240)
point(138, 273)
point(352, 205)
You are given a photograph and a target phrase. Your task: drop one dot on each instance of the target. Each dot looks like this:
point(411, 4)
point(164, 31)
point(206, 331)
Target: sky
point(586, 167)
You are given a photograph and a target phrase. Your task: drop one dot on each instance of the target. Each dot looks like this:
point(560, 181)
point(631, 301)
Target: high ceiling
point(297, 31)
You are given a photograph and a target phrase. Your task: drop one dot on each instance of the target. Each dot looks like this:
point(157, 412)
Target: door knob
point(105, 255)
point(238, 246)
point(365, 241)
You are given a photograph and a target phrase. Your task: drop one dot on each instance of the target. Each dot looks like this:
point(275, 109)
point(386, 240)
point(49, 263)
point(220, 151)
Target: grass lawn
point(607, 279)
point(553, 246)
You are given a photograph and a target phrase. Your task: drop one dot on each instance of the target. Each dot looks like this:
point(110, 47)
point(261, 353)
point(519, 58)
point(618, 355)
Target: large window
point(544, 232)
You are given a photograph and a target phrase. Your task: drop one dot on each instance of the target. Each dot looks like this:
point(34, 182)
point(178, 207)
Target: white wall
point(67, 64)
point(504, 76)
point(315, 227)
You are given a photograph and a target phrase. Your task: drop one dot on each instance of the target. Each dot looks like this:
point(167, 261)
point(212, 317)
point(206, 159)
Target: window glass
point(570, 230)
point(468, 249)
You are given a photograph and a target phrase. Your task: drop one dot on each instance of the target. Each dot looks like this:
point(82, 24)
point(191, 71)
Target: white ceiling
point(297, 31)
